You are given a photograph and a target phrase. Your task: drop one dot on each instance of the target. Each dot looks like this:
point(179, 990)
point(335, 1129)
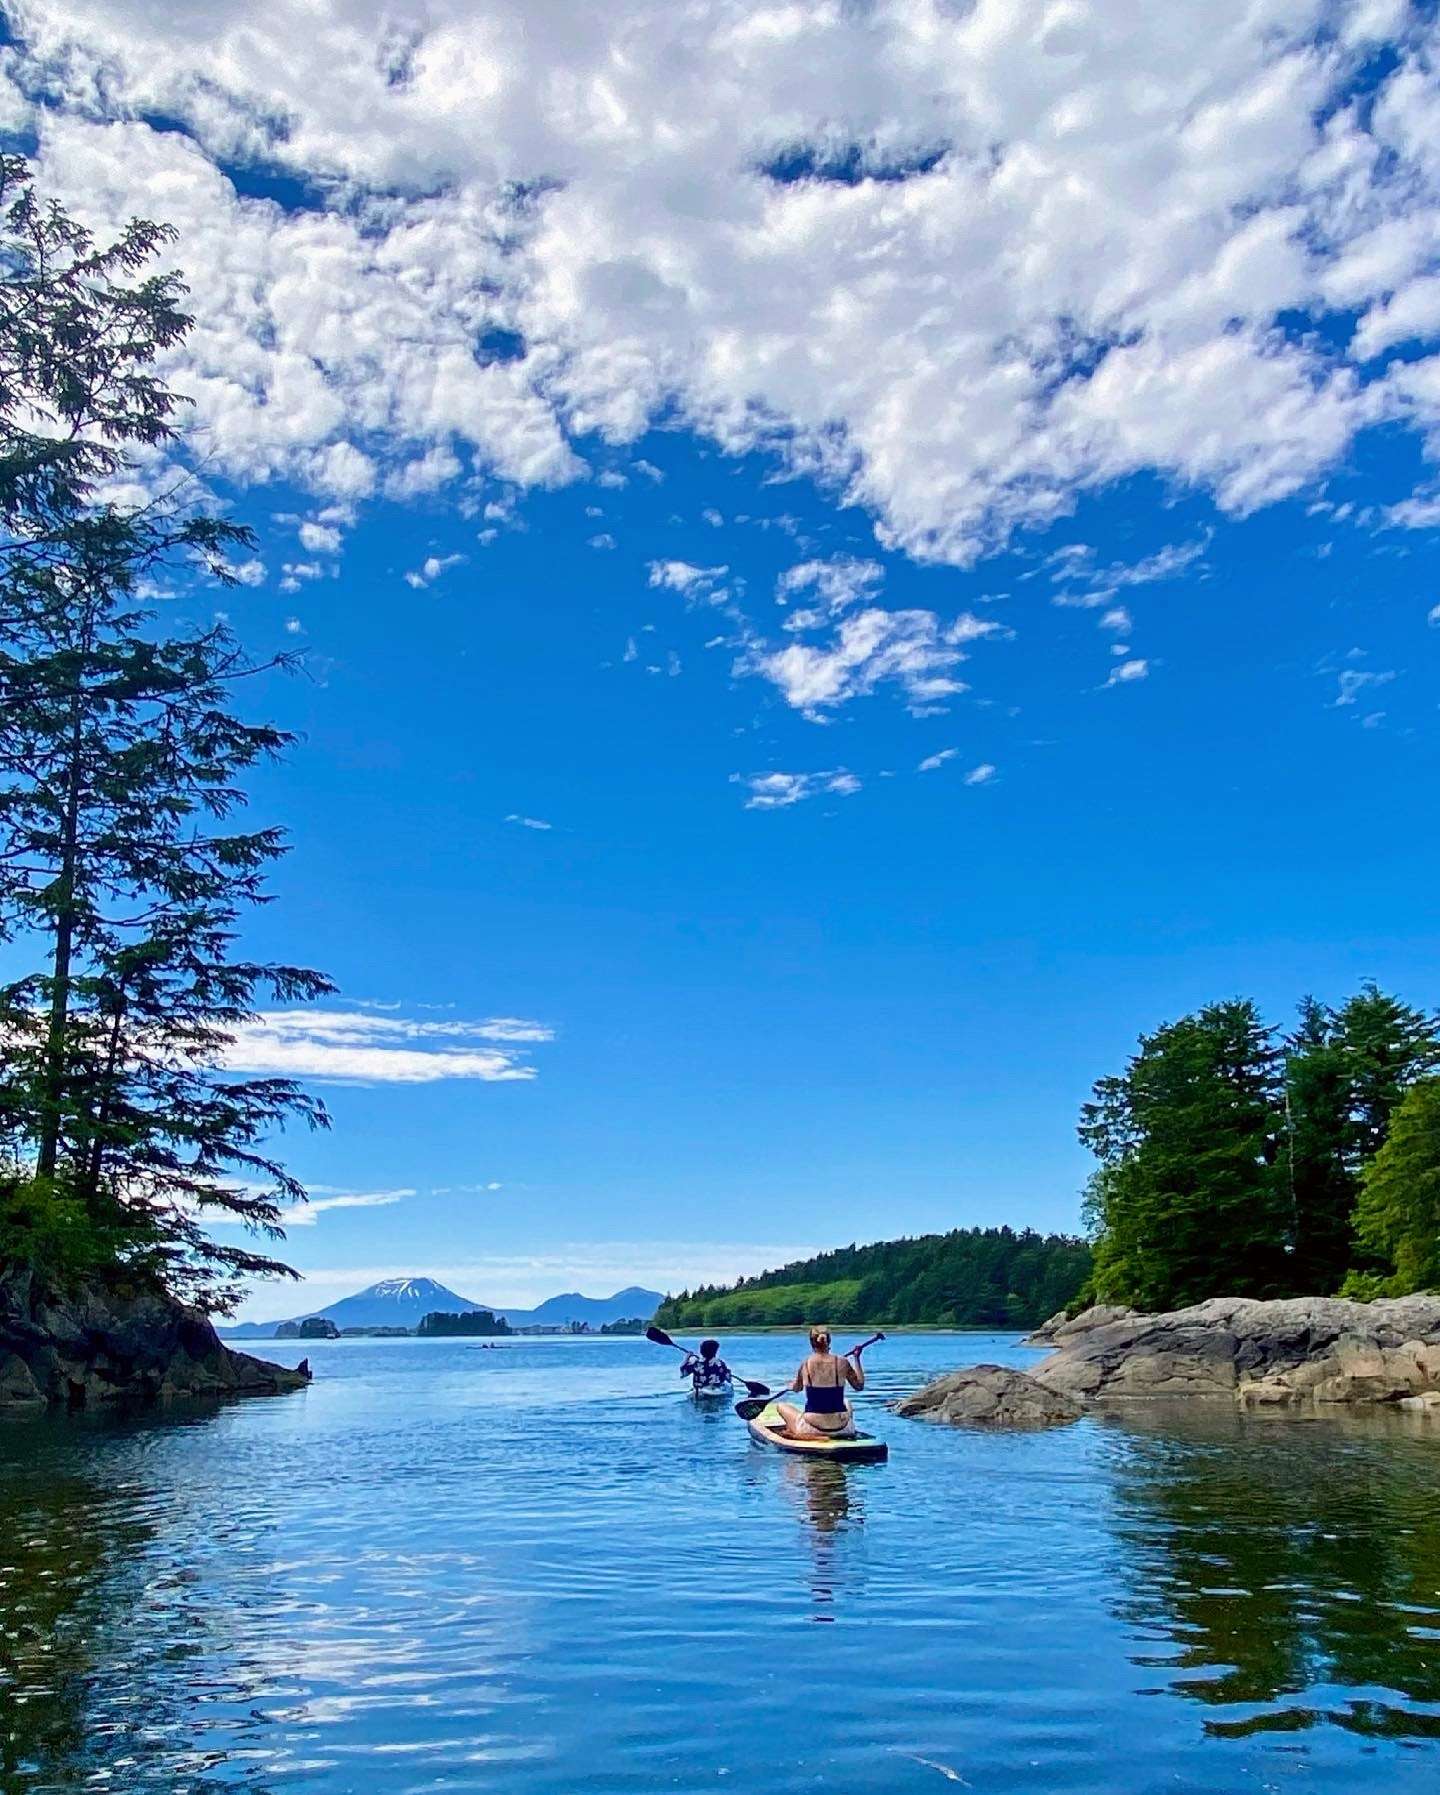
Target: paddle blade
point(756, 1389)
point(751, 1407)
point(661, 1338)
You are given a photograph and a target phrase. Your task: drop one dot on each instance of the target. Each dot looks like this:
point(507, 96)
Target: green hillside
point(971, 1277)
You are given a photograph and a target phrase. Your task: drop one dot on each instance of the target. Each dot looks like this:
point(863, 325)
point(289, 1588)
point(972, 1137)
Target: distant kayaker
point(707, 1370)
point(823, 1378)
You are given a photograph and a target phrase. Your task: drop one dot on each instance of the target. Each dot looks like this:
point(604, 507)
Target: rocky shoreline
point(101, 1343)
point(1297, 1353)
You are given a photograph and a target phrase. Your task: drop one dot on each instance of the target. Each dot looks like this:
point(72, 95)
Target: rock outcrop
point(1064, 1326)
point(1312, 1350)
point(990, 1395)
point(102, 1342)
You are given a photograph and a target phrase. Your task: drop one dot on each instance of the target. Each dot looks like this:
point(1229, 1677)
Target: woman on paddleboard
point(823, 1378)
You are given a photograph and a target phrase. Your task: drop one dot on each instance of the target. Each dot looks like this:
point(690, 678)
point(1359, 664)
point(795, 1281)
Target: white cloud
point(1433, 617)
point(778, 791)
point(1119, 619)
point(306, 1214)
point(981, 775)
point(1419, 512)
point(1082, 583)
point(690, 581)
point(603, 540)
point(836, 585)
point(1354, 681)
point(1128, 672)
point(961, 264)
point(528, 822)
point(913, 649)
point(366, 1048)
point(319, 539)
point(933, 762)
point(431, 570)
point(248, 573)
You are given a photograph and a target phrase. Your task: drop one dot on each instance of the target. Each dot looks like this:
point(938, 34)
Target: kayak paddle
point(661, 1338)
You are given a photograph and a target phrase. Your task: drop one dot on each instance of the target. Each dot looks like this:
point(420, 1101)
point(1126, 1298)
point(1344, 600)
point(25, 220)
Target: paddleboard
point(857, 1448)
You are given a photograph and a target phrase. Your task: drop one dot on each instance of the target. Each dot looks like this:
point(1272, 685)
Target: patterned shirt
point(705, 1374)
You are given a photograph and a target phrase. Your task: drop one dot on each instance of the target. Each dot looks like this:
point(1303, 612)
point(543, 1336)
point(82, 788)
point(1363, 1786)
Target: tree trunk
point(53, 1083)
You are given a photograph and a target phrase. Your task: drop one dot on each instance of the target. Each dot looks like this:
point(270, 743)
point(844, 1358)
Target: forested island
point(472, 1324)
point(968, 1278)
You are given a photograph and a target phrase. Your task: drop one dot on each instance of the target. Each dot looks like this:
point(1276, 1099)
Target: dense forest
point(1236, 1161)
point(971, 1277)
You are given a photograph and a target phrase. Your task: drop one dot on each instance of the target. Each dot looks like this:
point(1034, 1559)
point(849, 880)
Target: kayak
point(857, 1448)
point(713, 1393)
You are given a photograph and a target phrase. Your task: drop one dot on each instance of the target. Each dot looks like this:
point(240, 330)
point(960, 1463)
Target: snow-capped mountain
point(405, 1302)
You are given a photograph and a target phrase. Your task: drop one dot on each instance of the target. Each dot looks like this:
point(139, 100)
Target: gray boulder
point(1310, 1350)
point(990, 1395)
point(102, 1341)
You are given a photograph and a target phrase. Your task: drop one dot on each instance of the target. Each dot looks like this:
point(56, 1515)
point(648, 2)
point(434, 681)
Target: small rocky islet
point(1296, 1353)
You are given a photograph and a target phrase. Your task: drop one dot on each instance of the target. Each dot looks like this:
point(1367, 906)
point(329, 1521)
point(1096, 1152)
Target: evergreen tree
point(1347, 1071)
point(1188, 1200)
point(1397, 1219)
point(1315, 1160)
point(120, 762)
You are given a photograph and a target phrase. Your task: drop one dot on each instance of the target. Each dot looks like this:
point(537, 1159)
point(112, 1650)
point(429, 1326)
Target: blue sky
point(808, 654)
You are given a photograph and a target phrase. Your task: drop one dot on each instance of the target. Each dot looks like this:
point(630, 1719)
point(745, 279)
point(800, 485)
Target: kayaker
point(707, 1370)
point(823, 1377)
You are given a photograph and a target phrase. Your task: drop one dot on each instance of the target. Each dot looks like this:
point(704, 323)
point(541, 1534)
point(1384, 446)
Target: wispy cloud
point(981, 775)
point(932, 763)
point(365, 1048)
point(778, 791)
point(1081, 582)
point(528, 822)
point(697, 584)
point(1128, 672)
point(834, 586)
point(1354, 681)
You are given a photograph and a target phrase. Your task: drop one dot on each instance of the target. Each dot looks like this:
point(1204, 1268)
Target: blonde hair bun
point(820, 1339)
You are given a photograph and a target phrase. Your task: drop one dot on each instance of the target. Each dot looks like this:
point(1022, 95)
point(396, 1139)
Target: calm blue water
point(539, 1569)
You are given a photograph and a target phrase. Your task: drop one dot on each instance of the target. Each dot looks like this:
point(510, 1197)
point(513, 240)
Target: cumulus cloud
point(914, 650)
point(933, 762)
point(1118, 619)
point(778, 791)
point(431, 570)
point(981, 775)
point(351, 1047)
point(1128, 672)
point(961, 265)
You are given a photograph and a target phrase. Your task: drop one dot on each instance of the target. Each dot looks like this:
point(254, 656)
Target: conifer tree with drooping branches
point(123, 872)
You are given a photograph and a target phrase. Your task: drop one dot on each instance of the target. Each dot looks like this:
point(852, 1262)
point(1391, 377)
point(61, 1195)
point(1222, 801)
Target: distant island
point(400, 1305)
point(969, 1278)
point(469, 1322)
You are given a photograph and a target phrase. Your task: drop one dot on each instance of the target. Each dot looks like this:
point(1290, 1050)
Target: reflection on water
point(540, 1570)
point(1292, 1568)
point(826, 1500)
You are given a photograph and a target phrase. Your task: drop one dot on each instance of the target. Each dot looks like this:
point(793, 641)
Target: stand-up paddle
point(760, 1392)
point(750, 1408)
